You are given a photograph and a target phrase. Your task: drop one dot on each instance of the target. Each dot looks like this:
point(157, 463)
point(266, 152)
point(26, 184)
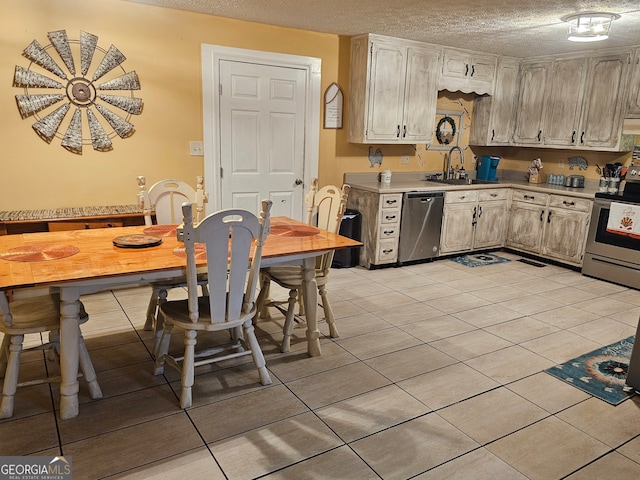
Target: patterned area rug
point(601, 373)
point(479, 260)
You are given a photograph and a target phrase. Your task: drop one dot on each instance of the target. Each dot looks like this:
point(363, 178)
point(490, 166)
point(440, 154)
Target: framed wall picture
point(333, 103)
point(446, 133)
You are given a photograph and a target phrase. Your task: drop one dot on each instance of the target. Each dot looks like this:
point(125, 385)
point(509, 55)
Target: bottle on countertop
point(462, 173)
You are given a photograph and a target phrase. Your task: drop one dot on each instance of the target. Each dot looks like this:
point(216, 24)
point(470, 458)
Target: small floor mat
point(601, 373)
point(532, 262)
point(479, 259)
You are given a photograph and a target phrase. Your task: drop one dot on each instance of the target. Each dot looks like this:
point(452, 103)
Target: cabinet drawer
point(490, 195)
point(391, 215)
point(536, 198)
point(388, 231)
point(387, 251)
point(64, 226)
point(390, 201)
point(571, 203)
point(463, 196)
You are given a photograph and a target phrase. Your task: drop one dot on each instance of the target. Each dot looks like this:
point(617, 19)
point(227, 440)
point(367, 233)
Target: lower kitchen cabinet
point(491, 219)
point(458, 221)
point(473, 220)
point(552, 226)
point(565, 232)
point(380, 214)
point(526, 220)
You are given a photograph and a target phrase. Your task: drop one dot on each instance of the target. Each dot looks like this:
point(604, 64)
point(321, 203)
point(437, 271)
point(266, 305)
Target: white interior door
point(262, 136)
point(261, 128)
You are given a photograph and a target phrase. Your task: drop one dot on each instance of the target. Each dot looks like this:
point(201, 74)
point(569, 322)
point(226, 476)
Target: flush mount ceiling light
point(589, 27)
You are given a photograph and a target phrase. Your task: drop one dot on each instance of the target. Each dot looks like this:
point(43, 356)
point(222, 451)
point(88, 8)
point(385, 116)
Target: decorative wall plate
point(49, 99)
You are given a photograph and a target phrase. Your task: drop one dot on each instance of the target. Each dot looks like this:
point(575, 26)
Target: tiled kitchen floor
point(437, 374)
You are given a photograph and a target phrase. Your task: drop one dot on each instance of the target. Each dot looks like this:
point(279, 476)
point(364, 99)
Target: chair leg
point(328, 312)
point(256, 353)
point(158, 329)
point(53, 353)
point(263, 298)
point(152, 308)
point(11, 376)
point(288, 322)
point(88, 371)
point(188, 367)
point(163, 349)
point(4, 354)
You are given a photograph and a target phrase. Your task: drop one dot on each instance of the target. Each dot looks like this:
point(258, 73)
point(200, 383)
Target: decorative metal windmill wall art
point(79, 91)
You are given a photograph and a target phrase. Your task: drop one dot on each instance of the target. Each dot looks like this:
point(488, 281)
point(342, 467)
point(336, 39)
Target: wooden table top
point(98, 258)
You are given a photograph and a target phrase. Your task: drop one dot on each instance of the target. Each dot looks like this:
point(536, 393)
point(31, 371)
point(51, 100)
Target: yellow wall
point(163, 47)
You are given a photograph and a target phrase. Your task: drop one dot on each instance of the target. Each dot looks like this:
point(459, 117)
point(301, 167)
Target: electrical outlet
point(196, 149)
point(561, 163)
point(405, 160)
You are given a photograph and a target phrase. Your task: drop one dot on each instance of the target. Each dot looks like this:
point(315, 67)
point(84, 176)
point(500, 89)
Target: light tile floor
point(437, 374)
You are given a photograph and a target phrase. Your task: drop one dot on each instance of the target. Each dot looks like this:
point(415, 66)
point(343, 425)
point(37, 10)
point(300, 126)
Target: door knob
point(298, 181)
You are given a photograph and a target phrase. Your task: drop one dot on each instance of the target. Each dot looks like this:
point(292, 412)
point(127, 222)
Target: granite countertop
point(414, 182)
point(64, 213)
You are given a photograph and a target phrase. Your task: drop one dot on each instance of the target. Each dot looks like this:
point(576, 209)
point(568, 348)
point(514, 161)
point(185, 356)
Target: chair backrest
point(327, 205)
point(166, 197)
point(230, 237)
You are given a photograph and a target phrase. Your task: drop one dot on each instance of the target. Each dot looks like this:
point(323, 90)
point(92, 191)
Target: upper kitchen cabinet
point(494, 115)
point(530, 106)
point(585, 102)
point(393, 90)
point(574, 102)
point(467, 72)
point(633, 110)
point(563, 100)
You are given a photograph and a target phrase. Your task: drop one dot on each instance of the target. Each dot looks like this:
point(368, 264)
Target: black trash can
point(350, 228)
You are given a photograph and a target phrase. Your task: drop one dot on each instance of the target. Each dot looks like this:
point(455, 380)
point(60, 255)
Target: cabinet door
point(467, 72)
point(457, 227)
point(533, 82)
point(420, 96)
point(564, 235)
point(604, 100)
point(490, 225)
point(386, 92)
point(526, 222)
point(633, 110)
point(494, 116)
point(563, 100)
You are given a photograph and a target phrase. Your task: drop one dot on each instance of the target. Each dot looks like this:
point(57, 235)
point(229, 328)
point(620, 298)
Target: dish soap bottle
point(462, 173)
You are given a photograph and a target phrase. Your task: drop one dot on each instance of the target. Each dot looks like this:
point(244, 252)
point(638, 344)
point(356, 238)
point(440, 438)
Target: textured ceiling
point(520, 28)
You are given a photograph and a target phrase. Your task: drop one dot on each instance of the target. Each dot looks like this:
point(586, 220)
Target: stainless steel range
point(610, 255)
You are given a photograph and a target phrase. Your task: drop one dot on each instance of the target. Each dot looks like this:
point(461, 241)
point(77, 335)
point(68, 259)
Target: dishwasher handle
point(424, 196)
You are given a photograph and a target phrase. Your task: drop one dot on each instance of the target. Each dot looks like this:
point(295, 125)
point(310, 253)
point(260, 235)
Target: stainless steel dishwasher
point(420, 226)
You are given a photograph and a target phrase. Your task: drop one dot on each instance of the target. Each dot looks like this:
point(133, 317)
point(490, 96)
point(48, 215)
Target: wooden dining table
point(80, 262)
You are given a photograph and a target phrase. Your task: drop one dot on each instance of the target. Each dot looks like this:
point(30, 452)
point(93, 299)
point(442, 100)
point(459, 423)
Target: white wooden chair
point(165, 199)
point(35, 315)
point(327, 205)
point(229, 236)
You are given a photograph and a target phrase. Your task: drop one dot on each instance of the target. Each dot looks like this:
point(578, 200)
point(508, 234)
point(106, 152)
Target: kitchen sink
point(462, 181)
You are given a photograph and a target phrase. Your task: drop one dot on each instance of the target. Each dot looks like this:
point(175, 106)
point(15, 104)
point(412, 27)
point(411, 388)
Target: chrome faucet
point(448, 169)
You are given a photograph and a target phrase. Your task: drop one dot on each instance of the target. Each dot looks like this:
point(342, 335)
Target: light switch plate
point(196, 149)
point(405, 160)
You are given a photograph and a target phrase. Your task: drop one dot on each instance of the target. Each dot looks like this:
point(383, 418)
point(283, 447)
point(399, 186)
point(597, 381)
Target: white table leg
point(69, 336)
point(310, 299)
